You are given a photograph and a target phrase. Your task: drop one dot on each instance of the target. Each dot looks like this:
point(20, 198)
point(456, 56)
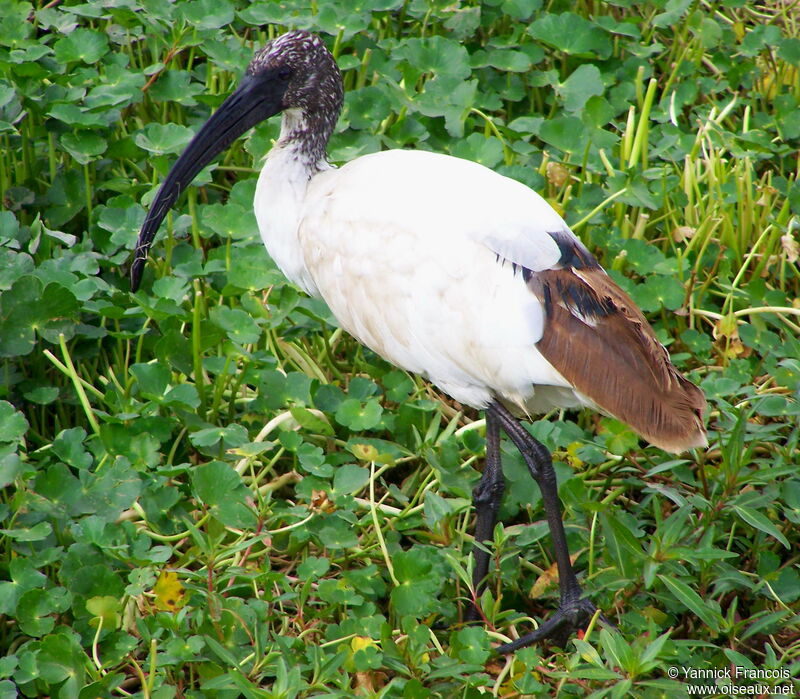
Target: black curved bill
point(255, 99)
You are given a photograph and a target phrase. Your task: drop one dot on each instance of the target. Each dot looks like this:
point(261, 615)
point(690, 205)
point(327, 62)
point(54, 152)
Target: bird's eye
point(284, 73)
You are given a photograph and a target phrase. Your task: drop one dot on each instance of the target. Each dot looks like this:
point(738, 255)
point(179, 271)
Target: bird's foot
point(570, 617)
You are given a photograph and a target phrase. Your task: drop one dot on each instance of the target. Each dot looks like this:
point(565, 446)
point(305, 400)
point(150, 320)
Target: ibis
point(452, 271)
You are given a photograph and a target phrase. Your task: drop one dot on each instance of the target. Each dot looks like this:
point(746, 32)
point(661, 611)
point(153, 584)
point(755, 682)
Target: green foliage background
point(209, 490)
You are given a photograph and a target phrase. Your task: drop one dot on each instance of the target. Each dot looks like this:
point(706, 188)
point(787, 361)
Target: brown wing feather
point(598, 339)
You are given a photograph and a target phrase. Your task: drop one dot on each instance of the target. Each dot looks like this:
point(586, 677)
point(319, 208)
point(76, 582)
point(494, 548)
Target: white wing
point(404, 246)
point(462, 198)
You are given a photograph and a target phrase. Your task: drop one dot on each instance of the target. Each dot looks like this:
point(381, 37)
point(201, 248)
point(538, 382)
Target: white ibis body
point(449, 270)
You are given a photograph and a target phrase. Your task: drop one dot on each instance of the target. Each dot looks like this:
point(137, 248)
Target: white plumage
point(416, 278)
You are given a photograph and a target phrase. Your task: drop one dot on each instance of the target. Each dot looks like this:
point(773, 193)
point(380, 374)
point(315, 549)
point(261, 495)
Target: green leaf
point(448, 97)
point(759, 38)
point(435, 508)
point(310, 421)
point(13, 424)
point(361, 388)
point(667, 291)
point(237, 324)
point(328, 397)
point(27, 308)
point(312, 459)
point(12, 265)
point(693, 602)
point(710, 33)
point(176, 86)
point(359, 416)
point(597, 112)
point(252, 269)
point(222, 653)
point(184, 395)
point(73, 115)
point(471, 644)
point(437, 54)
point(15, 23)
point(527, 125)
point(789, 50)
point(112, 489)
point(207, 14)
point(69, 447)
point(624, 548)
point(660, 292)
point(61, 658)
point(349, 479)
point(222, 490)
point(758, 520)
point(62, 489)
point(521, 9)
point(106, 608)
point(37, 532)
point(571, 34)
point(24, 577)
point(161, 139)
point(367, 106)
point(43, 395)
point(27, 669)
point(153, 379)
point(235, 221)
point(377, 450)
point(508, 60)
point(419, 581)
point(674, 10)
point(123, 222)
point(567, 133)
point(398, 386)
point(583, 83)
point(313, 568)
point(34, 613)
point(120, 87)
point(84, 146)
point(336, 533)
point(487, 151)
point(66, 196)
point(81, 45)
point(231, 436)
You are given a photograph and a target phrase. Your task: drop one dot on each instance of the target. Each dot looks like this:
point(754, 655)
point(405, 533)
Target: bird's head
point(295, 74)
point(298, 69)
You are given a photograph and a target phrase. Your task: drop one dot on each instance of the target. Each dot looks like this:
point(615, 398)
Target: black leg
point(574, 612)
point(486, 497)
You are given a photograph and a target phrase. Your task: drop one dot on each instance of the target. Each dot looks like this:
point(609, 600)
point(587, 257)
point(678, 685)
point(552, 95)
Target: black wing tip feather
point(573, 253)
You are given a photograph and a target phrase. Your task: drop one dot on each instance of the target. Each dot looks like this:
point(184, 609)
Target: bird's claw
point(565, 621)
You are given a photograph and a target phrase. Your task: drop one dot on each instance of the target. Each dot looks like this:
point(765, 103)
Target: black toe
point(565, 621)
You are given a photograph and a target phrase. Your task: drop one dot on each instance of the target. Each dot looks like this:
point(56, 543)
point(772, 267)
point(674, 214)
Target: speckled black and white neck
point(314, 95)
